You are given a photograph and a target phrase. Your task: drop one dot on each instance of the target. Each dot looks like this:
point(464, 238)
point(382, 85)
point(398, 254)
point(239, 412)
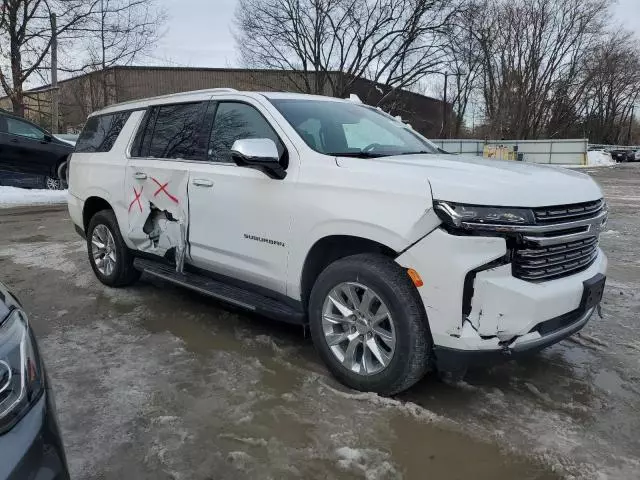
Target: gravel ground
point(156, 382)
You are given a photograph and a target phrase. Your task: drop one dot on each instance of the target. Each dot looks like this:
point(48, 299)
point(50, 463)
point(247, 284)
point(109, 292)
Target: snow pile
point(13, 196)
point(599, 158)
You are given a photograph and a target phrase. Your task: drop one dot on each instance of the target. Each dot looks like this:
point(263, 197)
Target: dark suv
point(26, 150)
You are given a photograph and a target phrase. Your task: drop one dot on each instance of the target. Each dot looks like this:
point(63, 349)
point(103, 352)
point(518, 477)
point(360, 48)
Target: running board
point(224, 292)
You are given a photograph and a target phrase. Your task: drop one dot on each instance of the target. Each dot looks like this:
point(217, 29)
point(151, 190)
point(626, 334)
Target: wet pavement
point(157, 382)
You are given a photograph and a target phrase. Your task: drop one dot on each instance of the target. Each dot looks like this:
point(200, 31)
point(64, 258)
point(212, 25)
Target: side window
point(234, 121)
point(101, 132)
point(24, 129)
point(143, 135)
point(176, 133)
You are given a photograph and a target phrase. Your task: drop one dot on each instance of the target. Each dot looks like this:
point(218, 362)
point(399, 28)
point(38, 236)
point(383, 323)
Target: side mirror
point(48, 138)
point(258, 153)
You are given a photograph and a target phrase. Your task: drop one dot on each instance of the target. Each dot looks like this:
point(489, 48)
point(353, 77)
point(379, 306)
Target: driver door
point(240, 219)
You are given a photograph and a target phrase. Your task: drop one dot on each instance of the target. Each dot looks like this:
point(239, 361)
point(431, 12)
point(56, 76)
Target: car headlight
point(482, 217)
point(21, 382)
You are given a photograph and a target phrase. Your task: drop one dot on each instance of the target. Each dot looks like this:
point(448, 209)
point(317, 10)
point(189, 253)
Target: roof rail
point(176, 94)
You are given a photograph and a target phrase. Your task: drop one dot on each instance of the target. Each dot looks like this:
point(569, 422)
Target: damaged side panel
point(158, 211)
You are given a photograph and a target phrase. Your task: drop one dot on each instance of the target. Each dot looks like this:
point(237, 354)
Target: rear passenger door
point(157, 175)
point(240, 219)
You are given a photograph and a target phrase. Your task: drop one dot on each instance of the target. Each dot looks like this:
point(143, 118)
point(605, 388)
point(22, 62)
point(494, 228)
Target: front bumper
point(452, 359)
point(504, 310)
point(33, 448)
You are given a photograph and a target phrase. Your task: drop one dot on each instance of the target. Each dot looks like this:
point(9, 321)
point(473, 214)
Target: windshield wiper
point(419, 152)
point(357, 154)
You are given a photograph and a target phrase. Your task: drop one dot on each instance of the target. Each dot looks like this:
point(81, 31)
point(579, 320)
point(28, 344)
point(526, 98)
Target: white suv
point(332, 214)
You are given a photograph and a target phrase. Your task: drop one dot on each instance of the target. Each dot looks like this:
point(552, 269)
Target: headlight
point(21, 381)
point(489, 218)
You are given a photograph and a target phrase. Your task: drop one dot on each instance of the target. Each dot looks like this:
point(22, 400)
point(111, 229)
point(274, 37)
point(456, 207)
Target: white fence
point(560, 152)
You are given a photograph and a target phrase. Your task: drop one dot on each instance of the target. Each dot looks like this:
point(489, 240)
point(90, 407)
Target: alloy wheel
point(103, 250)
point(53, 183)
point(358, 328)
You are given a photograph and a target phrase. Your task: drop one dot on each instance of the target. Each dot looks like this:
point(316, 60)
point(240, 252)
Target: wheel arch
point(327, 250)
point(92, 206)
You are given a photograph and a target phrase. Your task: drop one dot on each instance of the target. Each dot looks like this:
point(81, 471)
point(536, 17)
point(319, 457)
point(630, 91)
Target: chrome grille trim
point(564, 248)
point(558, 249)
point(559, 214)
point(556, 271)
point(540, 229)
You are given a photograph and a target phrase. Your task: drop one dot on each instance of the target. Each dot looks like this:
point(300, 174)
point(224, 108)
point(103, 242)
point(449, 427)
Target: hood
point(68, 141)
point(479, 181)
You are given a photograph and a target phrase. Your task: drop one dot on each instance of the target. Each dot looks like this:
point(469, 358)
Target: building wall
point(80, 96)
point(139, 82)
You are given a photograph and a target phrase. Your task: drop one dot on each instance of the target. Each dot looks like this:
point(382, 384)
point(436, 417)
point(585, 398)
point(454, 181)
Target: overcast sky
point(199, 32)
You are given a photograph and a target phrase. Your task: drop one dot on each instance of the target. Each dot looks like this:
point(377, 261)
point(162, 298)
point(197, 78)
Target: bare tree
point(118, 33)
point(25, 38)
point(612, 88)
point(326, 45)
point(533, 59)
point(466, 58)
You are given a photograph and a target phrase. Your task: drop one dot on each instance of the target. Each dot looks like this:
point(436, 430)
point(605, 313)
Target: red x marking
point(163, 188)
point(137, 199)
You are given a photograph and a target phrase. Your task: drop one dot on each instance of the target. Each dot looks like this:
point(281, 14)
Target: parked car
point(30, 442)
point(636, 156)
point(623, 155)
point(323, 212)
point(28, 150)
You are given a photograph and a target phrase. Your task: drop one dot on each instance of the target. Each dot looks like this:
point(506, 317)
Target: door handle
point(140, 176)
point(202, 182)
point(15, 140)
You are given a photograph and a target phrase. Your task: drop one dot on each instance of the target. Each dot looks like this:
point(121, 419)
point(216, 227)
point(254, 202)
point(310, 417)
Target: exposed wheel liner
point(124, 273)
point(390, 281)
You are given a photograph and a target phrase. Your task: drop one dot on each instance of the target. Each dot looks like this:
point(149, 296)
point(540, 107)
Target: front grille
point(567, 213)
point(534, 263)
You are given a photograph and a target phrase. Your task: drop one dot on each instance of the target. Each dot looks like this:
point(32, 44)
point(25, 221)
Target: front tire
point(368, 324)
point(111, 260)
point(51, 183)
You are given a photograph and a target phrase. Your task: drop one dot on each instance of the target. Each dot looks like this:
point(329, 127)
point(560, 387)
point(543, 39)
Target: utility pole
point(444, 133)
point(444, 106)
point(55, 100)
point(633, 106)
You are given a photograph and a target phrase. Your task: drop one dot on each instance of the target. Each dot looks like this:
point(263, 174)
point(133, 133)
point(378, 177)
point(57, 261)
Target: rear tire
point(405, 359)
point(109, 256)
point(62, 172)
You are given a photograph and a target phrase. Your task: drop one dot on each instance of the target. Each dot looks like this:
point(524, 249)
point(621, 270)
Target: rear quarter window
point(101, 132)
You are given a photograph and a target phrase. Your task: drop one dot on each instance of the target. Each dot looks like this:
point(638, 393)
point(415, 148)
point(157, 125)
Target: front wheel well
point(329, 249)
point(92, 206)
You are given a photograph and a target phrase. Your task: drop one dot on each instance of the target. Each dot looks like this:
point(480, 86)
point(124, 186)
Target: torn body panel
point(506, 307)
point(159, 211)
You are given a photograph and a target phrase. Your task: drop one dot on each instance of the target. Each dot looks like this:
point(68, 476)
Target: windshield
point(350, 129)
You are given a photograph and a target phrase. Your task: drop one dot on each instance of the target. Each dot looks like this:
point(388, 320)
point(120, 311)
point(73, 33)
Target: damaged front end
point(499, 282)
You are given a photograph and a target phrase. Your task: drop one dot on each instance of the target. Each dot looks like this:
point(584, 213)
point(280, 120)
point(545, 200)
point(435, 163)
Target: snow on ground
point(13, 197)
point(599, 158)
